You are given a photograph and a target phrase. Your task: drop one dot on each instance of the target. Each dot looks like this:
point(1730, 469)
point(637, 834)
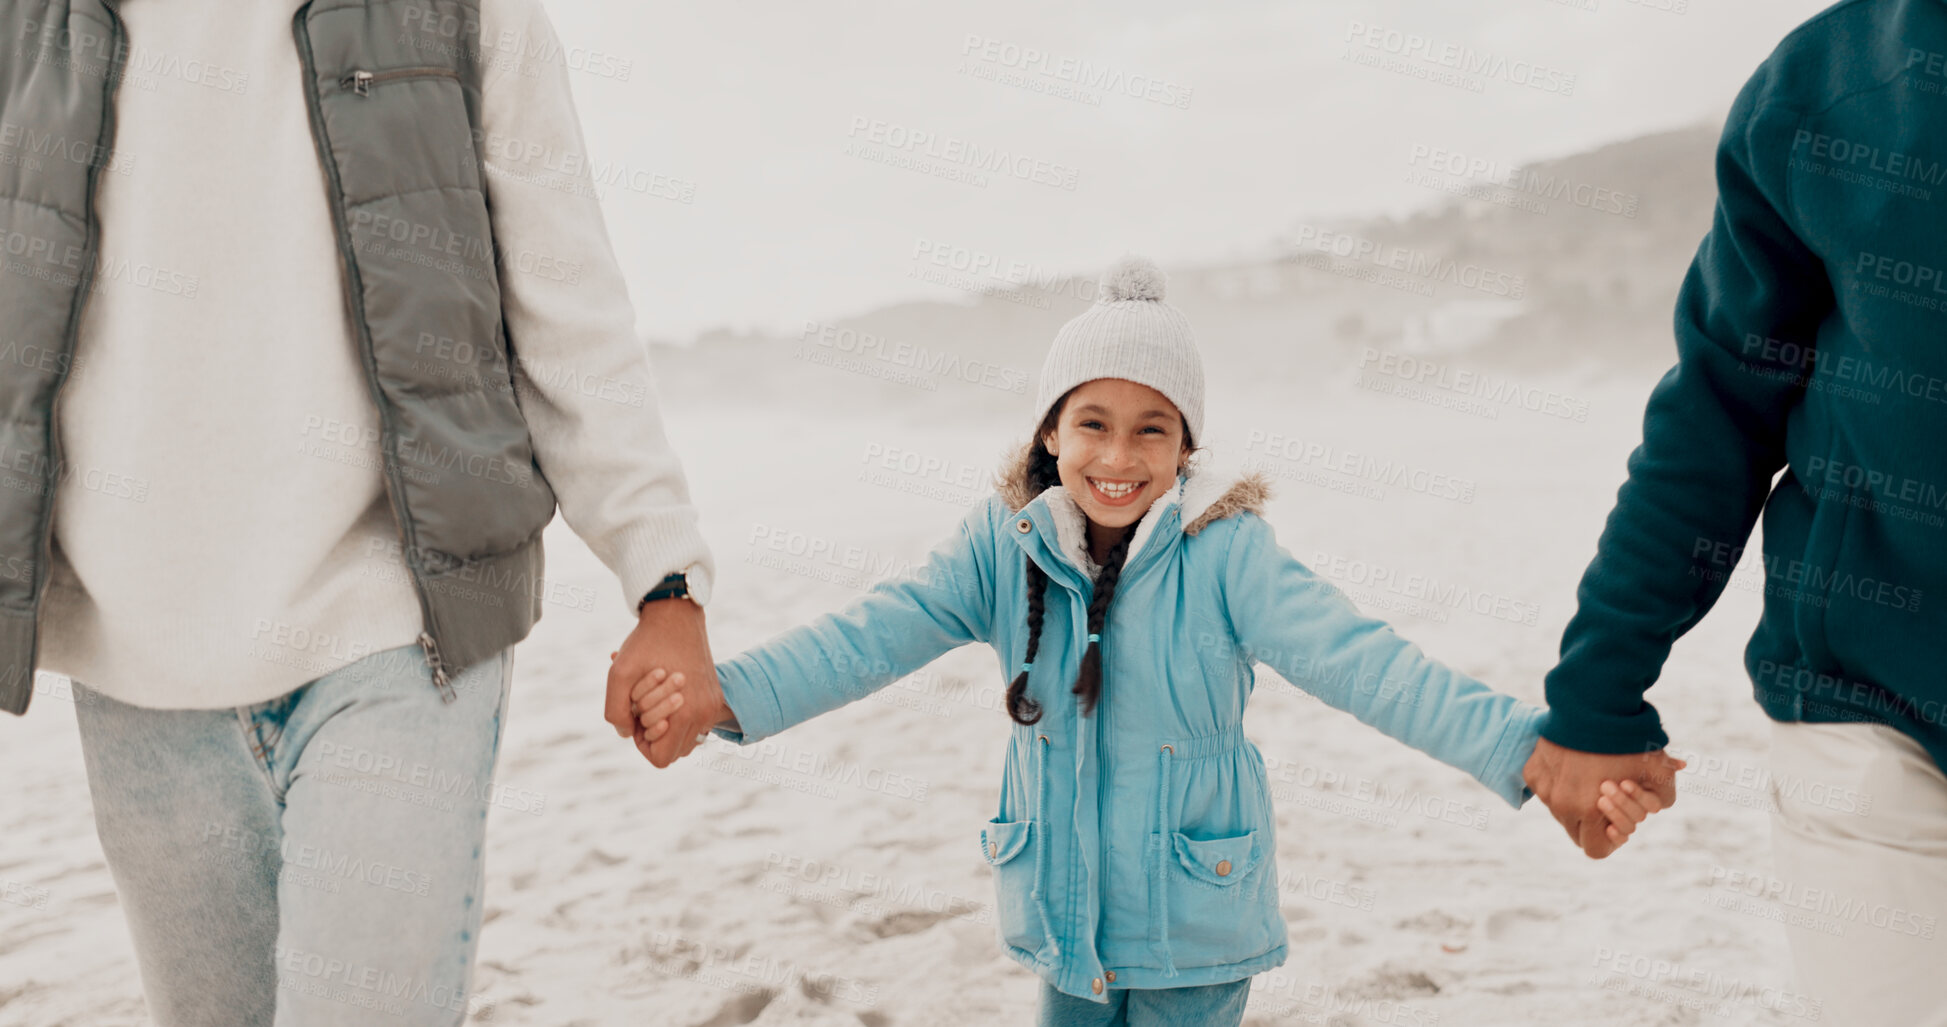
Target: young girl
point(1127, 596)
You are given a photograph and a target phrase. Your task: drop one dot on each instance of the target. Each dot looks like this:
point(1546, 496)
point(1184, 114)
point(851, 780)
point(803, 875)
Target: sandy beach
point(829, 876)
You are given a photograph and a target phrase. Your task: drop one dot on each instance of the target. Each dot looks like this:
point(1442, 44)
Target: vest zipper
point(334, 194)
point(104, 144)
point(433, 661)
point(360, 82)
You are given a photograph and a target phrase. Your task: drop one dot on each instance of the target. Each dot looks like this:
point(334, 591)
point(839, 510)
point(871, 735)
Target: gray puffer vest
point(394, 93)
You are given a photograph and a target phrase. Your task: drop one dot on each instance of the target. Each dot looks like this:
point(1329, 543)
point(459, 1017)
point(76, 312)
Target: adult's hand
point(1569, 783)
point(669, 634)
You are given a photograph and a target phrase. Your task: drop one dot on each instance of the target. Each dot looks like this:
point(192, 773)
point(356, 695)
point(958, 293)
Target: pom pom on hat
point(1133, 278)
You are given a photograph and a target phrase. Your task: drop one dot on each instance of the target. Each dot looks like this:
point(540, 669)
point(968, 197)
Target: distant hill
point(1601, 285)
point(1595, 244)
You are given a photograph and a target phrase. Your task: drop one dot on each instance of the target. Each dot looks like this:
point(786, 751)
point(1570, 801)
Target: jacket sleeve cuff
point(1502, 775)
point(748, 693)
point(1608, 734)
point(647, 556)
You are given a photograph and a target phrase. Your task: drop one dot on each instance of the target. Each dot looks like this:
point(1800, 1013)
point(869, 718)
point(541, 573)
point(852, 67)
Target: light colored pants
point(1859, 841)
point(1210, 1005)
point(308, 861)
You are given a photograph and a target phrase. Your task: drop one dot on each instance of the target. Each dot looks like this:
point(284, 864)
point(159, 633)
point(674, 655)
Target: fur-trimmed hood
point(1206, 495)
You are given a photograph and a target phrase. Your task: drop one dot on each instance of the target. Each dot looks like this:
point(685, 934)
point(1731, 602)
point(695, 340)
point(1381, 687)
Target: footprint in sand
point(1451, 930)
point(1435, 921)
point(1392, 983)
point(741, 1010)
point(1308, 934)
point(910, 921)
point(595, 859)
point(803, 1007)
point(1524, 925)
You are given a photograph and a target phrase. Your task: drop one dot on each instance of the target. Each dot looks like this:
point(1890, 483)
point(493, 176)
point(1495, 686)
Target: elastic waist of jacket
point(1193, 747)
point(1182, 747)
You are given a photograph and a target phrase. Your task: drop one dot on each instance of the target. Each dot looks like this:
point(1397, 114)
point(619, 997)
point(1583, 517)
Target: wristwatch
point(672, 586)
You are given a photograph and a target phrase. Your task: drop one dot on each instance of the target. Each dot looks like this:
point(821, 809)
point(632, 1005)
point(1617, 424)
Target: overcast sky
point(1249, 117)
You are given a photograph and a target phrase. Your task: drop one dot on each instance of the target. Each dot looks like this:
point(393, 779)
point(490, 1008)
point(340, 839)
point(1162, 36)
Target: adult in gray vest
point(311, 320)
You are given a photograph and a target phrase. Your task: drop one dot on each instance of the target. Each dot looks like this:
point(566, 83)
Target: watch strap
point(672, 586)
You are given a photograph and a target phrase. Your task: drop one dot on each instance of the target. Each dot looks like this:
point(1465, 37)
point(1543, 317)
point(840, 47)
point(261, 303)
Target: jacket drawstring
point(1162, 872)
point(1042, 845)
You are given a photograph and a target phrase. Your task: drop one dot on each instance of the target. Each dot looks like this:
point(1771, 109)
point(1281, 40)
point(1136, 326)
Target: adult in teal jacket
point(1810, 388)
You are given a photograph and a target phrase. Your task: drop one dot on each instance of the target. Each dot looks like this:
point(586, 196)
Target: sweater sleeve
point(581, 375)
point(894, 630)
point(1303, 627)
point(1713, 437)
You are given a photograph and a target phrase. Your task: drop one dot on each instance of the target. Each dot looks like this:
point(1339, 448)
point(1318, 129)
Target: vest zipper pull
point(359, 82)
point(446, 692)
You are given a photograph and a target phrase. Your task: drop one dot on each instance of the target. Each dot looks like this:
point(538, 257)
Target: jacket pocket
point(1005, 846)
point(1219, 903)
point(1219, 861)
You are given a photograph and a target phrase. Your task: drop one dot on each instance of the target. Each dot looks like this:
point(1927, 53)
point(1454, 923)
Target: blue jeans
point(1211, 1005)
point(308, 861)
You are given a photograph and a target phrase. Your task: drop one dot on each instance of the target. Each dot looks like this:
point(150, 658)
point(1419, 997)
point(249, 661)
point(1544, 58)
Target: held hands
point(669, 635)
point(653, 700)
point(658, 697)
point(1598, 798)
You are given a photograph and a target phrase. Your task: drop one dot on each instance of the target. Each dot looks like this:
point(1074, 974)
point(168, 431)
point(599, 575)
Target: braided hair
point(1043, 474)
point(1088, 683)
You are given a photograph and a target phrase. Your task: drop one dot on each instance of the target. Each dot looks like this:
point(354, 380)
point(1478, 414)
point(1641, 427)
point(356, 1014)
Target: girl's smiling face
point(1117, 445)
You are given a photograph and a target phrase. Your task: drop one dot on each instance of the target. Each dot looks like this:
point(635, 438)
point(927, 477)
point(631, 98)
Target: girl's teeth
point(1115, 491)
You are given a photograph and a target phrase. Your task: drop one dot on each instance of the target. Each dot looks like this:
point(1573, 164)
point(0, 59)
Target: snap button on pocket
point(1002, 841)
point(1024, 525)
point(1111, 976)
point(1218, 861)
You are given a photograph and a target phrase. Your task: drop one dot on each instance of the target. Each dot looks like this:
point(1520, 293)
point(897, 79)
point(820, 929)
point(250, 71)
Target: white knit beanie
point(1129, 333)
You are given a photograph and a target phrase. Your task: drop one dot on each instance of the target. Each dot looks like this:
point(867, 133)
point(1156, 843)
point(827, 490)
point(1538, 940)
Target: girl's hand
point(1626, 804)
point(654, 699)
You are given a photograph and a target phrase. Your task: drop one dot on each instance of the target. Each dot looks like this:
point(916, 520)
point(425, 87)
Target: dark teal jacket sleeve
point(1713, 438)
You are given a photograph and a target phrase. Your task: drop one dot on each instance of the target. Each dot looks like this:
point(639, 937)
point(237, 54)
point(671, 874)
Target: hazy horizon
point(781, 224)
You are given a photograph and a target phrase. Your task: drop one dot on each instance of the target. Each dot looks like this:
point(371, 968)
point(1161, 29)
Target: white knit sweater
point(222, 532)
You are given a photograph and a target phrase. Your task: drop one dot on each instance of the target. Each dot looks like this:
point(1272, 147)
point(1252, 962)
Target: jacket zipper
point(1104, 773)
point(86, 279)
point(1153, 544)
point(394, 487)
point(361, 81)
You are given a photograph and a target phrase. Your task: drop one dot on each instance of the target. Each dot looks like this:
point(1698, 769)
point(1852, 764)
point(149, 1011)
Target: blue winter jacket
point(1134, 847)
